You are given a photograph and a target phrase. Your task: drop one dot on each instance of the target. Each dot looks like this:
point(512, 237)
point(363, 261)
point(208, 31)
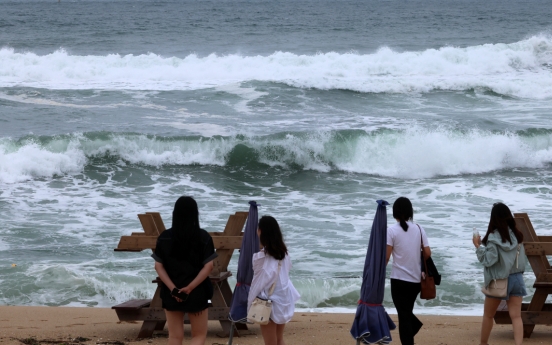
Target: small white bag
point(261, 308)
point(498, 289)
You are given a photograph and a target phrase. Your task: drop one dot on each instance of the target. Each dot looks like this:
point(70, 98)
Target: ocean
point(315, 109)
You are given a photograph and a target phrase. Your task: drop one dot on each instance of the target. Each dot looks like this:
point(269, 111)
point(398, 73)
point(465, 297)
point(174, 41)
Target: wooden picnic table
point(150, 311)
point(537, 312)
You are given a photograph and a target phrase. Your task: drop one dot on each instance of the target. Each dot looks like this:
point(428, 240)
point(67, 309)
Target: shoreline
point(77, 325)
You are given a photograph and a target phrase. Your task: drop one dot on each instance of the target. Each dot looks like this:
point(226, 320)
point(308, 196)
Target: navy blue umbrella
point(250, 245)
point(372, 325)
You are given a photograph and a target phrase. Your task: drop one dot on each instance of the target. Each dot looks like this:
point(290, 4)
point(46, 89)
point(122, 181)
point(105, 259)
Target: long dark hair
point(185, 228)
point(403, 211)
point(271, 238)
point(501, 220)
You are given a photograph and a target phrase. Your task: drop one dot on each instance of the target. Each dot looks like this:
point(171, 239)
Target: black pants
point(404, 296)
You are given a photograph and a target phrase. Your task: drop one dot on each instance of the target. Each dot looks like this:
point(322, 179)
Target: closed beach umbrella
point(372, 325)
point(249, 246)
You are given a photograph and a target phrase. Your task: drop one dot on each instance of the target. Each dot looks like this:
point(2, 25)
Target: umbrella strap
point(368, 304)
point(240, 284)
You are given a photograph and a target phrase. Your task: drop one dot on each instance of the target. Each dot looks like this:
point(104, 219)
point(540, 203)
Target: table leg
point(537, 302)
point(219, 300)
point(160, 325)
point(227, 294)
point(146, 331)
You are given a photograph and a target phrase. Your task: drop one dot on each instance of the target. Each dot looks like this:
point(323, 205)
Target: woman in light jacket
point(498, 252)
point(404, 240)
point(265, 273)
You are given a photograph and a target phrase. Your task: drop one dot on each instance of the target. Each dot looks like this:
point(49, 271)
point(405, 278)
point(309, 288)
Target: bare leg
point(489, 311)
point(175, 323)
point(270, 333)
point(280, 333)
point(198, 321)
point(514, 308)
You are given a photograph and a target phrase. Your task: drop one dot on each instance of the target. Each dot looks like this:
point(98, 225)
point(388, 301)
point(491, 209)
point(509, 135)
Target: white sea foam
point(31, 160)
point(414, 153)
point(520, 69)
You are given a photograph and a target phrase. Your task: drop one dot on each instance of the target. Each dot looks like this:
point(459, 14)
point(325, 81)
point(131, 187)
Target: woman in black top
point(183, 260)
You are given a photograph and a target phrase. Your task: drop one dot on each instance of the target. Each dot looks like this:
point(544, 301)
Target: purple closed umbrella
point(372, 325)
point(250, 245)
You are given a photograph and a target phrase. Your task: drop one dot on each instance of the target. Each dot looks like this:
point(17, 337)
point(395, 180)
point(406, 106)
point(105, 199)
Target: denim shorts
point(516, 287)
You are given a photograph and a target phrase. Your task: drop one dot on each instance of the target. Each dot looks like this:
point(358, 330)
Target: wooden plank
point(158, 314)
point(537, 303)
point(530, 235)
point(137, 242)
point(242, 214)
point(544, 238)
point(149, 242)
point(543, 277)
point(158, 221)
point(521, 224)
point(536, 318)
point(148, 224)
point(530, 318)
point(233, 227)
point(537, 263)
point(133, 304)
point(544, 283)
point(227, 242)
point(503, 306)
point(538, 248)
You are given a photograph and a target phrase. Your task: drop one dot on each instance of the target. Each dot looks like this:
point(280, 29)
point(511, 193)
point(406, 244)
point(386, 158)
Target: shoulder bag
point(498, 287)
point(428, 290)
point(261, 308)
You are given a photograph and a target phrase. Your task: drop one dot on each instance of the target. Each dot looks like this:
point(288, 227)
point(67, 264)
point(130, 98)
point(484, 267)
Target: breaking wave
point(413, 153)
point(521, 69)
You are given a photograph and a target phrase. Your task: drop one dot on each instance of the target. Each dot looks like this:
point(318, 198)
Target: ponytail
point(403, 211)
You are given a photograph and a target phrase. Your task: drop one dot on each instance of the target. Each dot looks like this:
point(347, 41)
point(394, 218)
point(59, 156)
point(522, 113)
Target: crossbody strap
point(517, 255)
point(277, 275)
point(422, 248)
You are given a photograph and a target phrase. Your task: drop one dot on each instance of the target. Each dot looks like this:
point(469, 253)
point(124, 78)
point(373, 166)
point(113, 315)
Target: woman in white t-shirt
point(403, 241)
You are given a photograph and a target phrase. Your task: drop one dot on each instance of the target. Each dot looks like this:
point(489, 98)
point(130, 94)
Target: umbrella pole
point(231, 333)
point(358, 341)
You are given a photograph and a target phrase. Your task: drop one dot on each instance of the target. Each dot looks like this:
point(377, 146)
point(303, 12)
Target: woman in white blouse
point(265, 273)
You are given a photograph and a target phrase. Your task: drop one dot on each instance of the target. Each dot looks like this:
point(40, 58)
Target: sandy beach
point(56, 325)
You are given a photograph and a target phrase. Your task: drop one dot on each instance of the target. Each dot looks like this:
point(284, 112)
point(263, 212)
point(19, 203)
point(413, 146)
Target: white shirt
point(407, 261)
point(265, 269)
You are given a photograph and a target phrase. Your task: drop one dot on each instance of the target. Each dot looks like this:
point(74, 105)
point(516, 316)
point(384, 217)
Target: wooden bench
point(150, 311)
point(537, 248)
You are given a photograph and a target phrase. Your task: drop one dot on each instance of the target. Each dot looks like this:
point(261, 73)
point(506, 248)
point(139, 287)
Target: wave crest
point(414, 153)
point(520, 69)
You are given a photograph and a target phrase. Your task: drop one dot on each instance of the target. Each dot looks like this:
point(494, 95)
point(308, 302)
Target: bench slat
point(538, 248)
point(133, 304)
point(141, 242)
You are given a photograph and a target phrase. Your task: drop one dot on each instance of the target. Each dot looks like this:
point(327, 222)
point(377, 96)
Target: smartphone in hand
point(183, 296)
